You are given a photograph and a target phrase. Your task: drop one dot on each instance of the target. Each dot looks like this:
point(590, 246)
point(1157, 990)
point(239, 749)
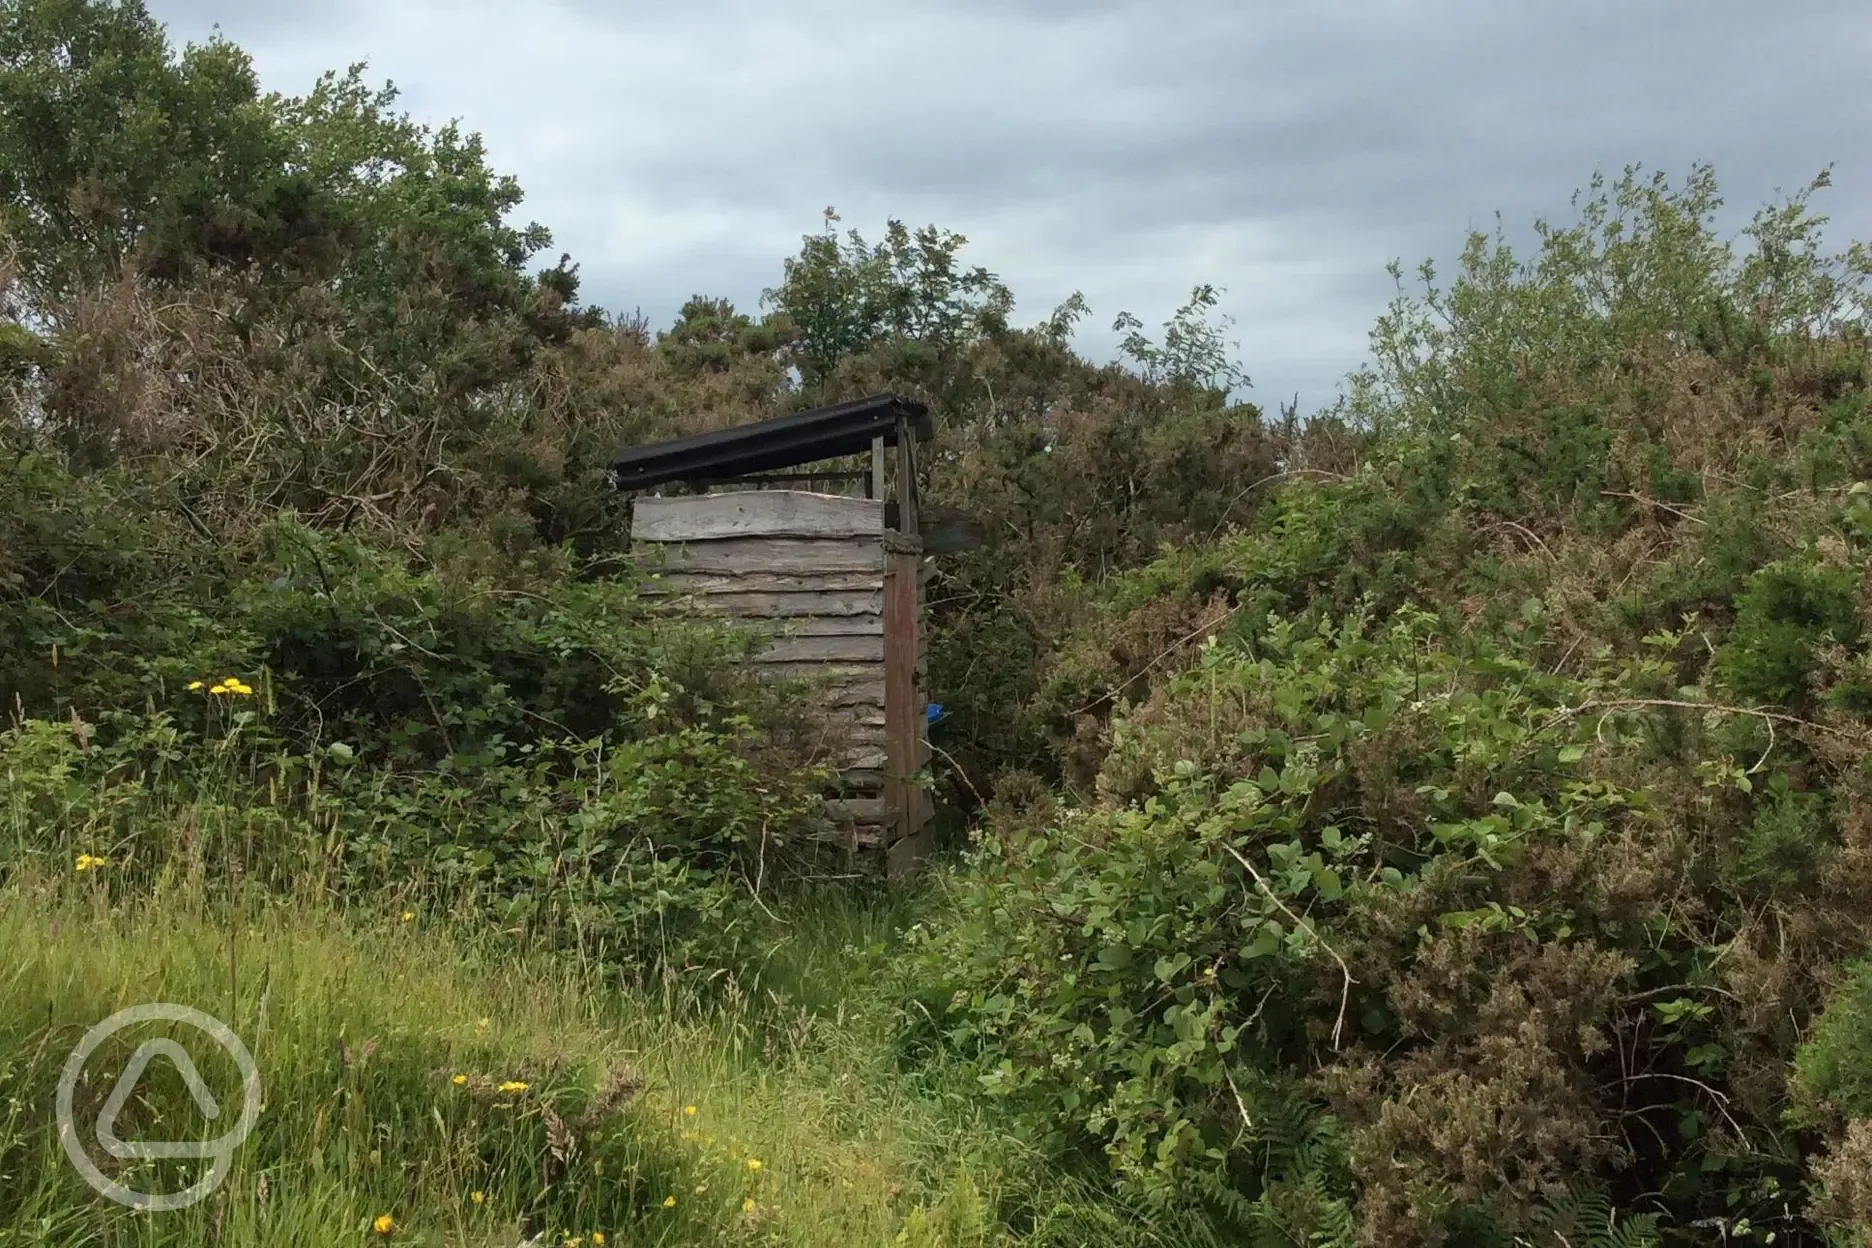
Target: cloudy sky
point(1128, 150)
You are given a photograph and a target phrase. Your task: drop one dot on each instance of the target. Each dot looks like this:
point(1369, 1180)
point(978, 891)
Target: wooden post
point(902, 607)
point(877, 468)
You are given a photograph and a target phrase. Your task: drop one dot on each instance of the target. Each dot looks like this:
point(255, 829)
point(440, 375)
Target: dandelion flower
point(689, 1111)
point(753, 1163)
point(747, 1206)
point(193, 685)
point(512, 1085)
point(598, 1239)
point(458, 1080)
point(669, 1202)
point(408, 915)
point(240, 687)
point(384, 1224)
point(88, 862)
point(477, 1197)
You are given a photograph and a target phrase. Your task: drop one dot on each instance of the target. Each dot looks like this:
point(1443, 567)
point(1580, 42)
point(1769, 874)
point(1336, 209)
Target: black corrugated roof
point(770, 445)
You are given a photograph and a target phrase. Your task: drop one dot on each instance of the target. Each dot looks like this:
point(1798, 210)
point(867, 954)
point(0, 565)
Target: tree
point(116, 155)
point(843, 298)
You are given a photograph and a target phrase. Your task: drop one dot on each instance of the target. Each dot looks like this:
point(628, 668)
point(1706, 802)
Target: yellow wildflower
point(193, 685)
point(689, 1111)
point(87, 862)
point(513, 1085)
point(384, 1224)
point(458, 1080)
point(477, 1197)
point(753, 1163)
point(669, 1202)
point(218, 689)
point(747, 1206)
point(598, 1239)
point(408, 915)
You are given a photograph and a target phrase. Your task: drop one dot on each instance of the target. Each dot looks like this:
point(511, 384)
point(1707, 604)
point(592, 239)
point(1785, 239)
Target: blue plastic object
point(935, 711)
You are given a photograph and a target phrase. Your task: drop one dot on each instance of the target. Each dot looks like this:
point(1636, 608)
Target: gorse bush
point(1419, 888)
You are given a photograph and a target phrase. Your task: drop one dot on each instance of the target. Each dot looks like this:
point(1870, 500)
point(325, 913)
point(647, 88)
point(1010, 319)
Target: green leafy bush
point(1416, 883)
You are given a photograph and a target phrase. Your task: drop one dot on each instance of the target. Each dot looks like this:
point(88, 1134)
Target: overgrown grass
point(360, 1028)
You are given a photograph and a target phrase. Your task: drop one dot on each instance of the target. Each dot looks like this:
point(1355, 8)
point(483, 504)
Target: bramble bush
point(1468, 919)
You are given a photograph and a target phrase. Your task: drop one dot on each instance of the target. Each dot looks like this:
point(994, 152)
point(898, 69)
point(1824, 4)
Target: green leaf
point(1168, 968)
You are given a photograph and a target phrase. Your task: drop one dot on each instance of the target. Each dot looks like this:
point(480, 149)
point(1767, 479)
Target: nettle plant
point(1373, 914)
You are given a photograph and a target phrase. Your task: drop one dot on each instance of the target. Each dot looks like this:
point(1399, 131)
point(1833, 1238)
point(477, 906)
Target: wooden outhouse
point(830, 564)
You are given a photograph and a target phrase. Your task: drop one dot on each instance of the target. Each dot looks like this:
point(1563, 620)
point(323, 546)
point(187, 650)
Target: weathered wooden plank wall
point(811, 569)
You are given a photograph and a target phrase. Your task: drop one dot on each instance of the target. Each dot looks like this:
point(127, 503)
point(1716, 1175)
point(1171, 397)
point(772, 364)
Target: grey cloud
point(1284, 151)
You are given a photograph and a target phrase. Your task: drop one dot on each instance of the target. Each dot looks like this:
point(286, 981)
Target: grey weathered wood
point(863, 779)
point(856, 734)
point(859, 810)
point(799, 624)
point(754, 513)
point(777, 554)
point(867, 625)
point(824, 603)
point(857, 697)
point(811, 571)
point(865, 678)
point(846, 649)
point(761, 582)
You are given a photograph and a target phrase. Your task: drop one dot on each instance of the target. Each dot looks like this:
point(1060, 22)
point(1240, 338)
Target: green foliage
point(118, 153)
point(1784, 613)
point(1833, 1069)
point(906, 294)
point(639, 853)
point(1341, 865)
point(1440, 821)
point(1193, 354)
point(360, 1022)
